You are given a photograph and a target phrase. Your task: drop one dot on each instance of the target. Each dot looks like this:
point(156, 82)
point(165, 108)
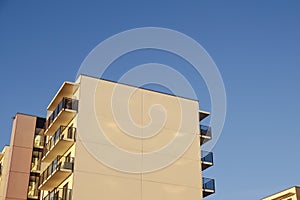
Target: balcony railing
point(205, 134)
point(56, 173)
point(208, 186)
point(70, 106)
point(59, 143)
point(207, 159)
point(59, 194)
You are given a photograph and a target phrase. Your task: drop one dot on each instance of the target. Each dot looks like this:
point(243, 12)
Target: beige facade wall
point(20, 157)
point(93, 179)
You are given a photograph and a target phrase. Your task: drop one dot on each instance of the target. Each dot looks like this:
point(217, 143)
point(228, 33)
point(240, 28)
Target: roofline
point(31, 115)
point(165, 93)
point(281, 191)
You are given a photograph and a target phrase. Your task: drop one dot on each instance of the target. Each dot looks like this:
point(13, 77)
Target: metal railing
point(59, 194)
point(66, 103)
point(60, 134)
point(59, 163)
point(208, 184)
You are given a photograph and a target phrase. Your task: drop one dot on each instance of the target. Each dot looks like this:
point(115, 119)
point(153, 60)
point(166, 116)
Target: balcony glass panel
point(205, 133)
point(207, 159)
point(208, 186)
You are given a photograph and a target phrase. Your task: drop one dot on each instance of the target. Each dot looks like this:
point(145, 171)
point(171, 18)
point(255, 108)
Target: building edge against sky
point(292, 193)
point(53, 163)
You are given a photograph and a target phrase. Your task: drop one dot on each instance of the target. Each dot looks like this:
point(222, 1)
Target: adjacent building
point(292, 193)
point(19, 172)
point(49, 158)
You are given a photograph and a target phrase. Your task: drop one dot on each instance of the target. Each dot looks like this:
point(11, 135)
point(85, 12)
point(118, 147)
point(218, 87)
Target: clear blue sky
point(255, 44)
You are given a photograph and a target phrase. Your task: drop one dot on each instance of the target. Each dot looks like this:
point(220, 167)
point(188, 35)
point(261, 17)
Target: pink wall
point(21, 152)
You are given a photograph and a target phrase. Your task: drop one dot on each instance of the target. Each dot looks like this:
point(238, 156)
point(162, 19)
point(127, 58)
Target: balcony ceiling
point(66, 90)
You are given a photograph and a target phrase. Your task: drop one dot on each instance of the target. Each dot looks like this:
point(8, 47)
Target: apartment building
point(61, 164)
point(292, 193)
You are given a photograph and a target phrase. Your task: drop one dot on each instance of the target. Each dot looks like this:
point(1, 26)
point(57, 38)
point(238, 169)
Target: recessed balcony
point(208, 186)
point(38, 142)
point(205, 134)
point(60, 169)
point(33, 192)
point(59, 194)
point(207, 159)
point(59, 143)
point(35, 165)
point(62, 115)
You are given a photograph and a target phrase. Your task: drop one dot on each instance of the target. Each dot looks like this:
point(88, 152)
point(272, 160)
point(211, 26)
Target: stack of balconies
point(61, 136)
point(37, 152)
point(208, 185)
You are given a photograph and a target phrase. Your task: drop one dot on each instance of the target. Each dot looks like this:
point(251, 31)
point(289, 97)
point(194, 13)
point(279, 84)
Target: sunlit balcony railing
point(62, 115)
point(59, 143)
point(56, 173)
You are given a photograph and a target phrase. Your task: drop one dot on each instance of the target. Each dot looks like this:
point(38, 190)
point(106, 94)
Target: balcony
point(38, 142)
point(66, 90)
point(33, 192)
point(35, 165)
point(203, 114)
point(207, 159)
point(60, 169)
point(205, 134)
point(62, 115)
point(59, 194)
point(59, 143)
point(208, 186)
